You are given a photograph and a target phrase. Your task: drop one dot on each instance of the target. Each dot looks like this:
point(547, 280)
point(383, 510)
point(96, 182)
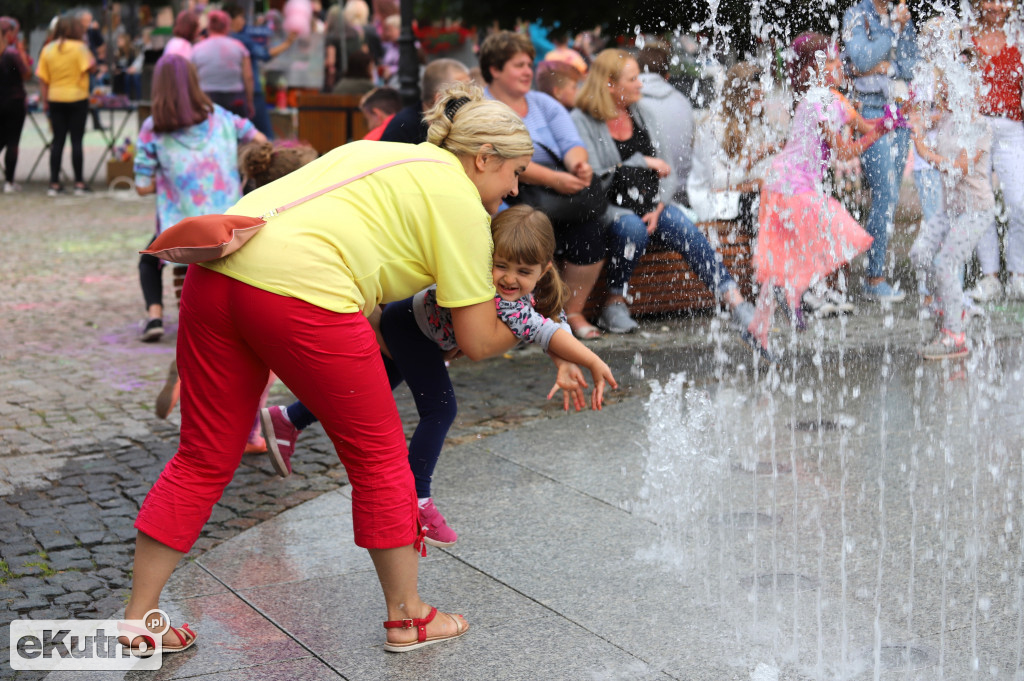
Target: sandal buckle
point(408, 624)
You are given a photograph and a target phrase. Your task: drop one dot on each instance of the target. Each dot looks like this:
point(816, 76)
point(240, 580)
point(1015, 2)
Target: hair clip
point(452, 107)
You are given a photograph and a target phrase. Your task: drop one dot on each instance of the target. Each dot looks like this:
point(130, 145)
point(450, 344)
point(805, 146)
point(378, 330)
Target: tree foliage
point(736, 26)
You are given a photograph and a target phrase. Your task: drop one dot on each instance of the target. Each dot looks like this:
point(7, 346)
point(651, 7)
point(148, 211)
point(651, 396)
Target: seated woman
point(610, 117)
point(725, 178)
point(558, 179)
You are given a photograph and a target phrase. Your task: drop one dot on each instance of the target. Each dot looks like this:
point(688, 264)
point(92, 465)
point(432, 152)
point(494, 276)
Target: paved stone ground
point(79, 445)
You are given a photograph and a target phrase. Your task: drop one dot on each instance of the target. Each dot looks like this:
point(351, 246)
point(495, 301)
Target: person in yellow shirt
point(294, 301)
point(63, 73)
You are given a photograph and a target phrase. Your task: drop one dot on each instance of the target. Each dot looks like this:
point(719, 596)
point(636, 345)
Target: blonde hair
point(356, 12)
point(464, 127)
point(595, 97)
point(524, 234)
point(740, 82)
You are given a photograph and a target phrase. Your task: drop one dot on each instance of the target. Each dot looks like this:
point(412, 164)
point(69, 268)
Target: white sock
point(422, 501)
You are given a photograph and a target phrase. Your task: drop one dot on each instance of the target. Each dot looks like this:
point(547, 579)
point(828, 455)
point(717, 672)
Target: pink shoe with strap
point(435, 529)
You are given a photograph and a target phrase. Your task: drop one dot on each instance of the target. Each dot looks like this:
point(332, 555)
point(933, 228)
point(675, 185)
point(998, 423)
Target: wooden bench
point(327, 121)
point(663, 283)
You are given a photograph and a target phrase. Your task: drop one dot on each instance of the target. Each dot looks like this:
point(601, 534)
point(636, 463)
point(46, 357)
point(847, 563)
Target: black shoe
point(152, 331)
point(83, 190)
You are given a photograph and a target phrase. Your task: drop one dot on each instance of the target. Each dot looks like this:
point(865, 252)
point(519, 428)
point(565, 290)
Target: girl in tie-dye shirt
point(187, 154)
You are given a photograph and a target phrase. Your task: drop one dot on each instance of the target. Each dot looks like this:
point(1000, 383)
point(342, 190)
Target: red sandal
point(186, 640)
point(421, 626)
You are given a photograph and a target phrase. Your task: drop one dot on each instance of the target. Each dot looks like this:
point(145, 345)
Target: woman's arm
point(562, 182)
point(479, 332)
point(577, 162)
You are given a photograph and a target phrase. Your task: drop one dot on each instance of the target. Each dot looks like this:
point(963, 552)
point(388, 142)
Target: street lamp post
point(408, 62)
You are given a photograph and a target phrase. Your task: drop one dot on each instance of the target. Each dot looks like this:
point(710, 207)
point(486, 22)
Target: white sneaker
point(11, 187)
point(1015, 287)
point(818, 305)
point(841, 302)
point(987, 289)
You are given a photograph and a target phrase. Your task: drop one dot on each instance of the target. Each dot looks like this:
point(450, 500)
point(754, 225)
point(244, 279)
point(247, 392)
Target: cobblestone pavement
point(80, 446)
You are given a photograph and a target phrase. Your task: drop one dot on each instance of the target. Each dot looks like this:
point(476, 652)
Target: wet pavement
point(833, 517)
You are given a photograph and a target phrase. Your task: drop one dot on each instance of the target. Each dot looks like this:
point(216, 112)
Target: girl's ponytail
point(551, 294)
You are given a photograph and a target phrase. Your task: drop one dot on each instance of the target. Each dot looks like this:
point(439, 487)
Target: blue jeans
point(629, 240)
point(883, 165)
point(929, 192)
point(261, 115)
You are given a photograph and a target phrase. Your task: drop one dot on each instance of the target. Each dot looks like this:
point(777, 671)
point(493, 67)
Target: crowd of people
point(484, 214)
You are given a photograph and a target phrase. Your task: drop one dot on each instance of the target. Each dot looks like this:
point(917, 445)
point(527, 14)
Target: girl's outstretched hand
point(571, 382)
point(602, 375)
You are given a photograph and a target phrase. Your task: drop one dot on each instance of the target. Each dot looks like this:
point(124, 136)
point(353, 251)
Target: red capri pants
point(230, 335)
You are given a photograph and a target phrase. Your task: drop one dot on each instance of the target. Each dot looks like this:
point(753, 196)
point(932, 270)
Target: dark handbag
point(587, 204)
point(634, 188)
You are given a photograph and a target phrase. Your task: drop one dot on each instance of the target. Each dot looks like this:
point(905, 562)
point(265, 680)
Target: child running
point(962, 153)
point(418, 335)
point(804, 233)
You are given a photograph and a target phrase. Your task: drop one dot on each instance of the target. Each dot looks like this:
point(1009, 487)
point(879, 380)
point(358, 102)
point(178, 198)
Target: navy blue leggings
point(420, 362)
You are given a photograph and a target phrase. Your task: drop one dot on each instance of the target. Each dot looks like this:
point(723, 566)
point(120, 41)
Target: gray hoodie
point(670, 117)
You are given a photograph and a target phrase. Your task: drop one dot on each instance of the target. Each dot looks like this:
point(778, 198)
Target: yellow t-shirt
point(64, 67)
point(379, 239)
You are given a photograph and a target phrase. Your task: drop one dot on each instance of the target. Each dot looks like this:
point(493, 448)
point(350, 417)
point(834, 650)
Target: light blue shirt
point(869, 39)
point(549, 125)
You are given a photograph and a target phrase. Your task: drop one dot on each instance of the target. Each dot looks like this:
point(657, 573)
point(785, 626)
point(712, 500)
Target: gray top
point(219, 61)
point(604, 153)
point(672, 117)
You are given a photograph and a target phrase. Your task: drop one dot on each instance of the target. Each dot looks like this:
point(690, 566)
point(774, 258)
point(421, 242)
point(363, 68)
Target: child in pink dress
point(805, 234)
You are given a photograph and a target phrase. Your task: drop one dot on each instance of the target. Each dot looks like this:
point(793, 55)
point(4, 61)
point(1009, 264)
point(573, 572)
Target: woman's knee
point(630, 228)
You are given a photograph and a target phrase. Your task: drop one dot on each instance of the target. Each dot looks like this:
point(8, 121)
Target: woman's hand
point(567, 183)
point(571, 381)
point(663, 169)
point(452, 355)
point(651, 219)
point(584, 171)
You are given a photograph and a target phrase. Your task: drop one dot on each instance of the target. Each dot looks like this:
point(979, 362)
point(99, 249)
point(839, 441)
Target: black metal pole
point(408, 62)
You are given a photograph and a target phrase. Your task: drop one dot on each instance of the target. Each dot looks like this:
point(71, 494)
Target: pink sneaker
point(436, 530)
point(281, 436)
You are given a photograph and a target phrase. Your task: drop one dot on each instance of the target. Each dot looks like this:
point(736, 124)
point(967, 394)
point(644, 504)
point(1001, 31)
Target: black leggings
point(151, 279)
point(67, 117)
point(12, 120)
